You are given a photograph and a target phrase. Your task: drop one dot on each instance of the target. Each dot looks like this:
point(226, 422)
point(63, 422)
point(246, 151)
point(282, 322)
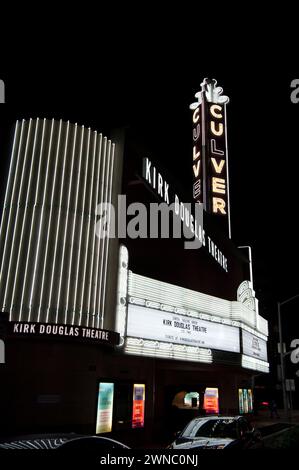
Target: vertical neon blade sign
point(210, 155)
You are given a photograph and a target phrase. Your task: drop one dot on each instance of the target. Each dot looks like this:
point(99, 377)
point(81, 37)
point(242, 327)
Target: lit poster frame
point(245, 401)
point(105, 407)
point(211, 401)
point(138, 405)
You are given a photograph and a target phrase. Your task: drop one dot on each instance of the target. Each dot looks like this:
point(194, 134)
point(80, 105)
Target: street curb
point(278, 432)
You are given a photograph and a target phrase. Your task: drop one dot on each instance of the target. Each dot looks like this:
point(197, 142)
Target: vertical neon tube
point(93, 220)
point(24, 220)
point(30, 247)
point(10, 209)
point(49, 226)
point(40, 224)
point(82, 219)
point(59, 214)
point(107, 238)
point(13, 153)
point(67, 220)
point(102, 241)
point(75, 218)
point(227, 177)
point(98, 240)
point(14, 244)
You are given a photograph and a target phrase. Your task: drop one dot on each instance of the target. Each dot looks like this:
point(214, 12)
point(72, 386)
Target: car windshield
point(225, 428)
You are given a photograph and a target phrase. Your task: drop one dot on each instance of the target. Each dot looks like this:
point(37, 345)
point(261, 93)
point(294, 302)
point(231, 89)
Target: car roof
point(213, 417)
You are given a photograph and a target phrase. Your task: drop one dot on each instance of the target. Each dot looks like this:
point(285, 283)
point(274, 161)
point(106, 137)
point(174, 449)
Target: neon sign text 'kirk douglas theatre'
point(209, 163)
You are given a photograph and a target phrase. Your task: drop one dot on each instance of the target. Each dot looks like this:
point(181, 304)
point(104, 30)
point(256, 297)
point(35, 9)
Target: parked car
point(62, 442)
point(218, 432)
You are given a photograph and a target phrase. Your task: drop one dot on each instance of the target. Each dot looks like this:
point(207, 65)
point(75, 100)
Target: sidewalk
point(263, 418)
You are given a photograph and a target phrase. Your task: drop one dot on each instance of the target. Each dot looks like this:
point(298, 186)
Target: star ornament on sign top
point(213, 93)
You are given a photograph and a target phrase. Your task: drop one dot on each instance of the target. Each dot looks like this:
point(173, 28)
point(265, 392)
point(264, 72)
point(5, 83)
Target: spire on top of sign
point(213, 93)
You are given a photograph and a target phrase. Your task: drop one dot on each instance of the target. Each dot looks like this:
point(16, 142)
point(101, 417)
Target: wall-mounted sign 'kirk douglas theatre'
point(192, 223)
point(209, 163)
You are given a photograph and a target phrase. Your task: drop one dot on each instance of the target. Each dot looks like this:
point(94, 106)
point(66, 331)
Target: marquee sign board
point(153, 324)
point(254, 346)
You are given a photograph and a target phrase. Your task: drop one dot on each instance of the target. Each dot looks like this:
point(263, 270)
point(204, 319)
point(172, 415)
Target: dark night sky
point(263, 130)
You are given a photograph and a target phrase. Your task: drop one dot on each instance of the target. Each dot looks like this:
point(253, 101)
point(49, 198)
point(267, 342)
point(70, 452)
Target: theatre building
point(131, 335)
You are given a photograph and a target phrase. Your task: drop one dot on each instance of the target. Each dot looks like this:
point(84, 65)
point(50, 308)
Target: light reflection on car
point(218, 433)
point(62, 442)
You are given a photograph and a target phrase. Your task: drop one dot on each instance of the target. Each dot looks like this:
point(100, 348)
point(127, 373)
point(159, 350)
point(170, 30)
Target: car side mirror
point(177, 434)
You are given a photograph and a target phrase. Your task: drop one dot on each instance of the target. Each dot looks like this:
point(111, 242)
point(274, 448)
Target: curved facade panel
point(54, 267)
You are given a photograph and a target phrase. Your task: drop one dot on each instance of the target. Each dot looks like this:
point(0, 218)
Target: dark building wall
point(38, 372)
point(51, 386)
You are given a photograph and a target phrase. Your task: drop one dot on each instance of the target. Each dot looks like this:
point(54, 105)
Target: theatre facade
point(125, 336)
